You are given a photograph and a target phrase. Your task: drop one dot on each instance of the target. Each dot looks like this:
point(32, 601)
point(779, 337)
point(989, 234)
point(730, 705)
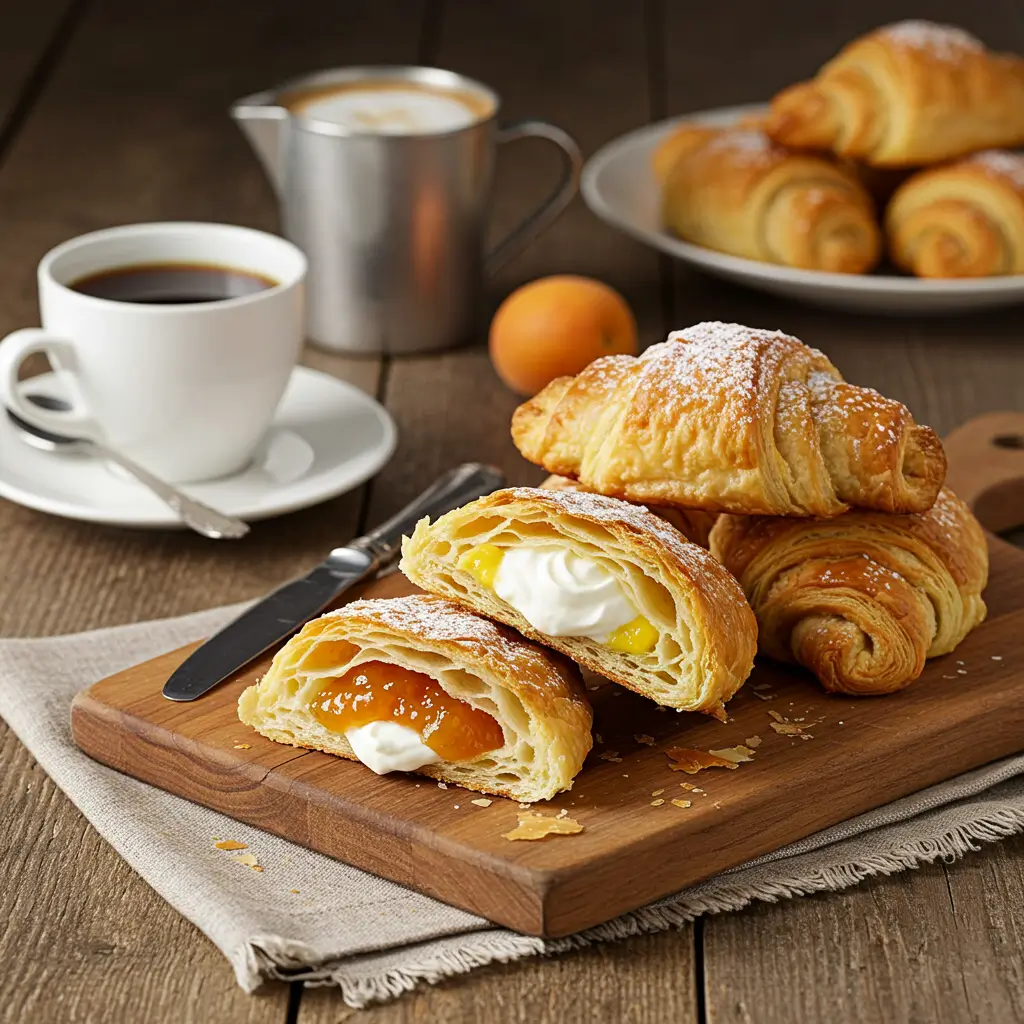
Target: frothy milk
point(393, 108)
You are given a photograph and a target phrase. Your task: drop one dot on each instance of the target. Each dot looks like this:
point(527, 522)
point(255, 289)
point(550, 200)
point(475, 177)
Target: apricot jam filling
point(375, 692)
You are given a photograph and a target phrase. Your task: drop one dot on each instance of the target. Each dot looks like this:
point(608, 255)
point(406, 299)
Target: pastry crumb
point(230, 844)
point(682, 803)
point(598, 738)
point(242, 746)
point(610, 755)
point(246, 859)
point(753, 741)
point(657, 792)
point(691, 761)
point(257, 867)
point(642, 737)
point(738, 754)
point(482, 802)
point(442, 785)
point(718, 712)
point(657, 803)
point(533, 825)
point(562, 813)
point(997, 657)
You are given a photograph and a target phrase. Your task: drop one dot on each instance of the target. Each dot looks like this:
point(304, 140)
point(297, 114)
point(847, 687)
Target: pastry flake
point(466, 701)
point(533, 825)
point(574, 567)
point(686, 759)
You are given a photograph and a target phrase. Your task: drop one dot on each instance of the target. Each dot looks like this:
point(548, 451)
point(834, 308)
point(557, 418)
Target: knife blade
point(291, 606)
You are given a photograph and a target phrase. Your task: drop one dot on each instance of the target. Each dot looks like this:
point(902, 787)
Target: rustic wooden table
point(114, 111)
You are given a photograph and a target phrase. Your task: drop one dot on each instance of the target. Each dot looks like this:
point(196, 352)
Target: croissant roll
point(727, 418)
point(962, 220)
point(739, 193)
point(906, 94)
point(692, 523)
point(864, 599)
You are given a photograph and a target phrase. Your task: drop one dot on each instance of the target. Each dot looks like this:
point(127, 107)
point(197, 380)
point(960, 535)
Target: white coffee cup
point(186, 390)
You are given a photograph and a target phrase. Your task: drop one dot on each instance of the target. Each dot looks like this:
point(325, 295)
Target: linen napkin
point(309, 917)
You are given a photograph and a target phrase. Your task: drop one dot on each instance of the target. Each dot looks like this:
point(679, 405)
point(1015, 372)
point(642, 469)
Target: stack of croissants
point(900, 145)
point(726, 491)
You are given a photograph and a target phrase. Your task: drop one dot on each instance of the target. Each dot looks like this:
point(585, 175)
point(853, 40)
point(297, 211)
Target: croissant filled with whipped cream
point(607, 583)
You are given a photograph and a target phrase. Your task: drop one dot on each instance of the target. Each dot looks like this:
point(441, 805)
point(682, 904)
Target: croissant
point(907, 94)
point(727, 418)
point(676, 144)
point(739, 193)
point(692, 523)
point(962, 220)
point(420, 684)
point(604, 582)
point(864, 599)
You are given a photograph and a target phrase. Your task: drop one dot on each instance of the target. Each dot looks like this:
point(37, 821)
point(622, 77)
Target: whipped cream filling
point(562, 594)
point(389, 747)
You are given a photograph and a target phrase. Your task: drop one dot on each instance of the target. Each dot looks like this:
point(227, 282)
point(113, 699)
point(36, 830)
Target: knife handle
point(451, 490)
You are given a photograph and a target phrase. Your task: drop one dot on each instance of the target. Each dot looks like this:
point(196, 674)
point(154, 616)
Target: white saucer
point(619, 186)
point(326, 438)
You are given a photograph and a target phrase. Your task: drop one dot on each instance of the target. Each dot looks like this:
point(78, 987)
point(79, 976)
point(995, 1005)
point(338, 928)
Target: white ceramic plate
point(326, 438)
point(619, 186)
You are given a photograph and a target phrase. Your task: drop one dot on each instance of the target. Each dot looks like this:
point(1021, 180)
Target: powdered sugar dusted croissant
point(420, 684)
point(739, 193)
point(728, 418)
point(906, 94)
point(607, 583)
point(864, 599)
point(965, 219)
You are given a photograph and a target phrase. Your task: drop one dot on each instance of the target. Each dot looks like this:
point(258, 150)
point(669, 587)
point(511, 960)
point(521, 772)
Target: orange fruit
point(555, 326)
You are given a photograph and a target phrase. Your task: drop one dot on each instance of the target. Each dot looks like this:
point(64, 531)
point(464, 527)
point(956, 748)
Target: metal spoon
point(201, 518)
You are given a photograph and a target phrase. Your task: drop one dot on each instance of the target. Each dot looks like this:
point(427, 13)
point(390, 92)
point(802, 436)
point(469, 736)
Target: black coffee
point(172, 283)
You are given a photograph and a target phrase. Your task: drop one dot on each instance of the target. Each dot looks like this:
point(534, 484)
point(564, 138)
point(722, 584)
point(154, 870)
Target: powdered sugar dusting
point(438, 618)
point(745, 145)
point(1001, 163)
point(946, 42)
point(702, 568)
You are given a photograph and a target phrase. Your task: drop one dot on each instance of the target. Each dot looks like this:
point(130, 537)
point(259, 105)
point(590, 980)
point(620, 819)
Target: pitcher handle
point(563, 193)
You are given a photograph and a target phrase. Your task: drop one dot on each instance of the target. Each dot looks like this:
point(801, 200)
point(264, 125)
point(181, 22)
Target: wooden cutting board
point(853, 755)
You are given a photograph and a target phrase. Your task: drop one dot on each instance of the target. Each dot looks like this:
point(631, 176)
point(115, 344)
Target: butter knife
point(290, 607)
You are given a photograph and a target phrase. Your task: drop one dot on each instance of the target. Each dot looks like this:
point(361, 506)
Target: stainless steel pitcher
point(393, 225)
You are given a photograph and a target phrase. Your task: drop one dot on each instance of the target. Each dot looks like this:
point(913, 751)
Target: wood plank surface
point(885, 950)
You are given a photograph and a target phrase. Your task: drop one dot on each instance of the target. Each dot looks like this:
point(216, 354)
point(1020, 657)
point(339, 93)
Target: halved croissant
point(864, 599)
point(906, 94)
point(965, 219)
point(739, 193)
point(728, 418)
point(694, 633)
point(534, 695)
point(692, 523)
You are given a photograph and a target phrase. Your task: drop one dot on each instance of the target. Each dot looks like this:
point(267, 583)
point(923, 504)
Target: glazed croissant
point(692, 523)
point(727, 418)
point(907, 94)
point(962, 220)
point(739, 193)
point(864, 599)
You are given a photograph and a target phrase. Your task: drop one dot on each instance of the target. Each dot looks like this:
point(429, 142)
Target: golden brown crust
point(965, 219)
point(738, 192)
point(907, 94)
point(728, 418)
point(864, 599)
point(692, 523)
point(535, 695)
point(707, 632)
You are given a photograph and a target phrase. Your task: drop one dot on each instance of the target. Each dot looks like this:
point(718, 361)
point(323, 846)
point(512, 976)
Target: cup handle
point(14, 350)
point(563, 193)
